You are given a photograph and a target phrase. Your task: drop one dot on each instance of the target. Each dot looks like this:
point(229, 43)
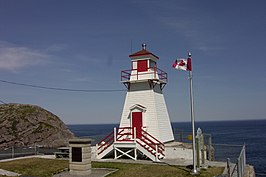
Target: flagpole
point(192, 115)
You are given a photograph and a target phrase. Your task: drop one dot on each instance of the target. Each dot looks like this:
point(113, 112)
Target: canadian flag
point(183, 64)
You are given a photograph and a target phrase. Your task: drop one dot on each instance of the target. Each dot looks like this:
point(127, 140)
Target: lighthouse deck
point(125, 144)
point(144, 80)
point(152, 73)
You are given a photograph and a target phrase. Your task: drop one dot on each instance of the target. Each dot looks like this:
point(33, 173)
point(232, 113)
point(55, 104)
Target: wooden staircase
point(126, 141)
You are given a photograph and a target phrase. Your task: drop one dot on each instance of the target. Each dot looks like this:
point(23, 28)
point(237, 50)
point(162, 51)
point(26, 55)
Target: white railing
point(239, 167)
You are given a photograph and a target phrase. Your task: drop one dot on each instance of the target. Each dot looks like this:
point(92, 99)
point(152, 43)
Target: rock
point(29, 125)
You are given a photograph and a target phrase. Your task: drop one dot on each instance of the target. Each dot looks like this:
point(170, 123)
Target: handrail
point(110, 134)
point(241, 162)
point(151, 143)
point(153, 137)
point(126, 74)
point(121, 134)
point(120, 131)
point(105, 143)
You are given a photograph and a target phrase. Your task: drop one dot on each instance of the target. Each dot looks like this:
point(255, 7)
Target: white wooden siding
point(156, 117)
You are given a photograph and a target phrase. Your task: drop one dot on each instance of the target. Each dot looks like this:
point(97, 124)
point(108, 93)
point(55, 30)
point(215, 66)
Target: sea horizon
point(200, 121)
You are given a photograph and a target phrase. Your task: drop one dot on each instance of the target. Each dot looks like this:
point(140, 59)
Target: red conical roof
point(142, 52)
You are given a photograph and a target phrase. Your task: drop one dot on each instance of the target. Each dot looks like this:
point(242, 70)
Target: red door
point(137, 122)
point(142, 65)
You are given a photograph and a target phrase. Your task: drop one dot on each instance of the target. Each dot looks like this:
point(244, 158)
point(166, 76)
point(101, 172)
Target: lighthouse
point(145, 125)
point(144, 106)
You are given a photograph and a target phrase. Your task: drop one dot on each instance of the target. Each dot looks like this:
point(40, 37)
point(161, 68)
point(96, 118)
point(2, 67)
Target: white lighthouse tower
point(145, 125)
point(145, 106)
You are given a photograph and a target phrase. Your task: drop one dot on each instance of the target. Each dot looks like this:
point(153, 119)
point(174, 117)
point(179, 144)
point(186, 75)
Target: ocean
point(227, 137)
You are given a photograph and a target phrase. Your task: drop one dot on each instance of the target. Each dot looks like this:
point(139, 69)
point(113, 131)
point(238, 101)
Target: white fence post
point(238, 168)
point(244, 154)
point(115, 151)
point(156, 155)
point(114, 134)
point(228, 168)
point(96, 150)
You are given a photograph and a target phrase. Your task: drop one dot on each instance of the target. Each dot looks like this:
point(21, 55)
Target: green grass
point(47, 167)
point(154, 170)
point(35, 166)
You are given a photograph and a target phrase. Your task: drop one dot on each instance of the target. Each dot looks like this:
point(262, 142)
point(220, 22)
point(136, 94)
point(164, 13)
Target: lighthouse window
point(142, 65)
point(152, 64)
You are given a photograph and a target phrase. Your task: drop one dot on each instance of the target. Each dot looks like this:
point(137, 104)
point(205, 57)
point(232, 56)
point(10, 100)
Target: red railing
point(124, 134)
point(152, 71)
point(127, 134)
point(105, 143)
point(152, 142)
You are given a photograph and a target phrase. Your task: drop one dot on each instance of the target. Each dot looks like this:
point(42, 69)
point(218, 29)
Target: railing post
point(35, 148)
point(114, 134)
point(181, 135)
point(155, 69)
point(202, 150)
point(241, 165)
point(115, 152)
point(244, 155)
point(135, 134)
point(210, 149)
point(197, 152)
point(96, 151)
point(12, 152)
point(238, 169)
point(241, 162)
point(135, 153)
point(228, 167)
point(156, 151)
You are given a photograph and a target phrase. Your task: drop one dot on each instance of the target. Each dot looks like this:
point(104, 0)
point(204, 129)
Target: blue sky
point(85, 44)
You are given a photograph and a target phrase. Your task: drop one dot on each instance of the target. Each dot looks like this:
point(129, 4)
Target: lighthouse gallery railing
point(152, 71)
point(126, 134)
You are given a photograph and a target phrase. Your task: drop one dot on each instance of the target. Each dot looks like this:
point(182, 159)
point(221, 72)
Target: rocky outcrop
point(29, 125)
